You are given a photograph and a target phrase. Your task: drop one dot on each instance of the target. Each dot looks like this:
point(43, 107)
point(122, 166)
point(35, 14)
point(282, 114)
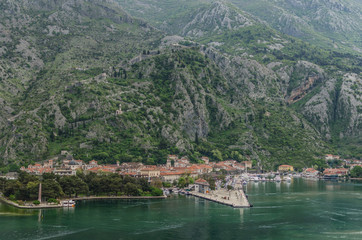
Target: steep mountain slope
point(86, 77)
point(49, 44)
point(334, 24)
point(262, 63)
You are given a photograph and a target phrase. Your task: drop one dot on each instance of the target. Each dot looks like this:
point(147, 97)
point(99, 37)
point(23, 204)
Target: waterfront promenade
point(40, 206)
point(47, 205)
point(233, 198)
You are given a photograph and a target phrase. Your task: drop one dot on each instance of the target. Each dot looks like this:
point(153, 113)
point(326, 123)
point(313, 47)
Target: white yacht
point(256, 179)
point(68, 203)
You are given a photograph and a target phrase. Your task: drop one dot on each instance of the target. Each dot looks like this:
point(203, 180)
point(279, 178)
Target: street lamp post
point(40, 189)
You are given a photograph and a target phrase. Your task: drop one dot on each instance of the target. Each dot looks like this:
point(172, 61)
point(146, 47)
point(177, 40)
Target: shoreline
point(9, 202)
point(41, 206)
point(116, 197)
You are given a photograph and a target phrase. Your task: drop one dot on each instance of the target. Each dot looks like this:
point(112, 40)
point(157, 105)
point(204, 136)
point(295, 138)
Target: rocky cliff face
point(329, 23)
point(336, 108)
point(248, 61)
point(87, 77)
point(213, 20)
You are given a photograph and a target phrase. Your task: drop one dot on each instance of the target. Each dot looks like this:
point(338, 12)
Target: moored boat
point(277, 178)
point(68, 203)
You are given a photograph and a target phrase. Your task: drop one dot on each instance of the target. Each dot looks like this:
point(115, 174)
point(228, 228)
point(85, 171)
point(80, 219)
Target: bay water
point(302, 209)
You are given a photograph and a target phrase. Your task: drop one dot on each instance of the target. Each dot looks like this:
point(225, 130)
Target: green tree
point(236, 155)
point(73, 185)
point(156, 183)
point(217, 154)
point(25, 177)
point(156, 191)
point(131, 189)
point(51, 189)
point(49, 176)
point(356, 172)
point(12, 187)
point(181, 182)
point(116, 185)
point(31, 192)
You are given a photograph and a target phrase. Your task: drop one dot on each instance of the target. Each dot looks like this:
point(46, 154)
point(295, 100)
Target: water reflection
point(277, 185)
point(40, 215)
point(241, 212)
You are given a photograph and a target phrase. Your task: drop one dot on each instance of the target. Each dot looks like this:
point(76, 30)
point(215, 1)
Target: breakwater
point(232, 198)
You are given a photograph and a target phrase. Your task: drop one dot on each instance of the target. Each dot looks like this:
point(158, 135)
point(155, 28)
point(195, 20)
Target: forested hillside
point(111, 81)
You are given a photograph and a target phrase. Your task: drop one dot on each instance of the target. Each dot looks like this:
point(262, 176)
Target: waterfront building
point(285, 168)
point(170, 176)
point(335, 171)
point(150, 171)
point(310, 172)
point(202, 186)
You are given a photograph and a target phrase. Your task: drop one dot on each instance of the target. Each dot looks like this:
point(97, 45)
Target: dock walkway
point(233, 198)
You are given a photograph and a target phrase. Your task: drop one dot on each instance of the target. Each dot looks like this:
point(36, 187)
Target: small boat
point(288, 179)
point(255, 179)
point(166, 192)
point(277, 178)
point(69, 203)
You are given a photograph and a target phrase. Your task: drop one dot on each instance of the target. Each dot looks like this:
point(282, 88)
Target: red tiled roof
point(171, 173)
point(200, 180)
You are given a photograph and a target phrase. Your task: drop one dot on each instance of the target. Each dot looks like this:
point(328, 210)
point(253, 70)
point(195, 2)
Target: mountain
point(46, 47)
point(212, 80)
point(300, 70)
point(334, 24)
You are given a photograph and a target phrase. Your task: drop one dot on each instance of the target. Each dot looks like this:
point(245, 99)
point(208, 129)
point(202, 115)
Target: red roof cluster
point(335, 171)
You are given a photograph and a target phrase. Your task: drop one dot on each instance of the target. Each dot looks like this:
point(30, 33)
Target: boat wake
point(62, 234)
point(344, 233)
point(160, 229)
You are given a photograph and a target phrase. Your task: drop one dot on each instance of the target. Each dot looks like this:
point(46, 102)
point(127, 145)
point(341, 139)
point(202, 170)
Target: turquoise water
point(299, 210)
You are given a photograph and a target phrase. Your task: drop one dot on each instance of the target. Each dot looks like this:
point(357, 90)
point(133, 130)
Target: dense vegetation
point(54, 187)
point(222, 92)
point(316, 22)
point(356, 172)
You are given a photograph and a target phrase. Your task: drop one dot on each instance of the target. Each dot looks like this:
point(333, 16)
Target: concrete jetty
point(233, 198)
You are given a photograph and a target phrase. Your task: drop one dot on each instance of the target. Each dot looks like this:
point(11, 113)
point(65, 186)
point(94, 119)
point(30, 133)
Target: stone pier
point(233, 198)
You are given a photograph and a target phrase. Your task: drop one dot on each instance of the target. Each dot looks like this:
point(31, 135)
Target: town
point(176, 167)
point(221, 182)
